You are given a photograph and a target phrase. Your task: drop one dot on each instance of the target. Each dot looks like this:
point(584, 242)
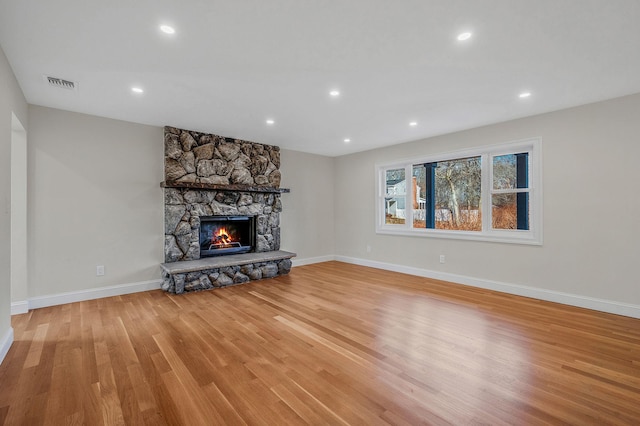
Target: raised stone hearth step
point(215, 272)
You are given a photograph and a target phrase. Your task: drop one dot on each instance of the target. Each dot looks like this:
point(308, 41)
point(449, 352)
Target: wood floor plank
point(37, 342)
point(330, 343)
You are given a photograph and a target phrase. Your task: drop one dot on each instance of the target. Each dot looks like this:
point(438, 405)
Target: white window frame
point(532, 236)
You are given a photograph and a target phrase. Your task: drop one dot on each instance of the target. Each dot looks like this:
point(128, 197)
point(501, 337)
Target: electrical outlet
point(99, 270)
point(368, 249)
point(442, 258)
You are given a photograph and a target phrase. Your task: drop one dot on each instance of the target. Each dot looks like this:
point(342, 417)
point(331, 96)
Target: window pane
point(506, 172)
point(396, 187)
point(458, 184)
point(395, 182)
point(394, 210)
point(418, 196)
point(510, 211)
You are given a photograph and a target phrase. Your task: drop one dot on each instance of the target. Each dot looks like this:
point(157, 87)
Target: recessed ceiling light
point(464, 36)
point(167, 29)
point(347, 140)
point(137, 90)
point(334, 93)
point(270, 122)
point(413, 123)
point(524, 95)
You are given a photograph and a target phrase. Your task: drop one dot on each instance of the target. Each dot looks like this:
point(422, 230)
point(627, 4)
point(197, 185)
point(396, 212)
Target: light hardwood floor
point(330, 343)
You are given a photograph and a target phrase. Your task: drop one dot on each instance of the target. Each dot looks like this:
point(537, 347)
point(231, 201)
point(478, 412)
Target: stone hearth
point(223, 271)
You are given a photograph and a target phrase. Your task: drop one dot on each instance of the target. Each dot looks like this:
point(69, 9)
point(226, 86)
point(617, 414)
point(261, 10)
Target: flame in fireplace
point(221, 238)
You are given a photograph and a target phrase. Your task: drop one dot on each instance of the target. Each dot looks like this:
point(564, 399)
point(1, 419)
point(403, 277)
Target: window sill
point(508, 237)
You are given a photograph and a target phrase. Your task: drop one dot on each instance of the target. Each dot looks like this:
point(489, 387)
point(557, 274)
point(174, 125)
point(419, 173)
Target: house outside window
point(491, 193)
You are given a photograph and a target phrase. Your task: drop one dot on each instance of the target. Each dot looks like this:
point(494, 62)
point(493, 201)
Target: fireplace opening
point(220, 235)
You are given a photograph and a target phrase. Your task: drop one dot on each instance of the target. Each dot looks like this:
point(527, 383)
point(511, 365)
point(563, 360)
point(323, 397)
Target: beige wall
point(588, 156)
point(591, 230)
point(11, 102)
point(307, 218)
point(94, 199)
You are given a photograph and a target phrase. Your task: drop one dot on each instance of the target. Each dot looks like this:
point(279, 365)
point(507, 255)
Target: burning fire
point(221, 237)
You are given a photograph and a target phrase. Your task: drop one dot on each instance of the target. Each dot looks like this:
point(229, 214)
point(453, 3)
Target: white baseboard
point(5, 344)
point(94, 293)
point(602, 305)
point(311, 260)
point(21, 307)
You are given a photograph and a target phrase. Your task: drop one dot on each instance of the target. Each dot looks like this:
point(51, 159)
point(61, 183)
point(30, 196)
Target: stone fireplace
point(209, 180)
point(184, 207)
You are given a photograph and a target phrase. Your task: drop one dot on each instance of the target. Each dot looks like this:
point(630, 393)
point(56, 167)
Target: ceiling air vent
point(62, 84)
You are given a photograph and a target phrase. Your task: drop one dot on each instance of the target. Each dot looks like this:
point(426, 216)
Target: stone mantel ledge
point(184, 267)
point(218, 187)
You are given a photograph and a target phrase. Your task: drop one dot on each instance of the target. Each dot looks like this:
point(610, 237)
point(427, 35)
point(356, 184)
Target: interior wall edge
point(5, 344)
point(19, 307)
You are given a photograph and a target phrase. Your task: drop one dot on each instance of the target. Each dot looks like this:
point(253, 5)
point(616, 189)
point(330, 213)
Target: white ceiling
point(233, 64)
